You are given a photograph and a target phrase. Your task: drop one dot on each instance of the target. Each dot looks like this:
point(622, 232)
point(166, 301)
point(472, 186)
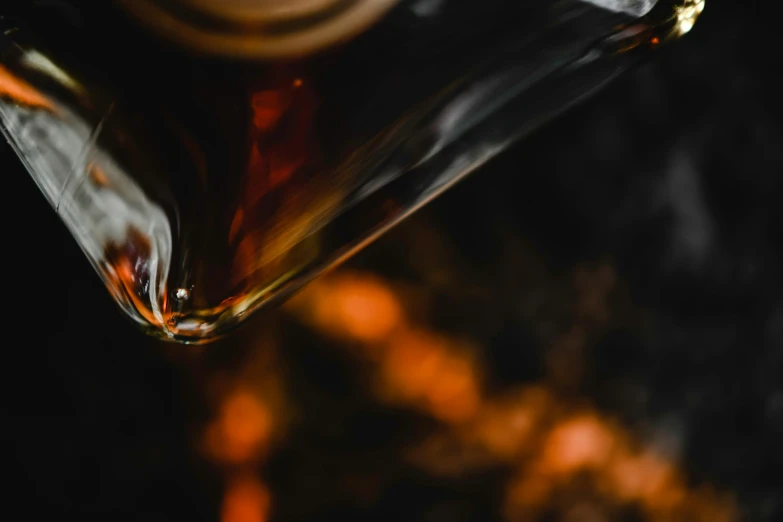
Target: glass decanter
point(212, 157)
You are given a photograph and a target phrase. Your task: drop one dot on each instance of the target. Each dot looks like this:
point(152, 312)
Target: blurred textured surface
point(590, 329)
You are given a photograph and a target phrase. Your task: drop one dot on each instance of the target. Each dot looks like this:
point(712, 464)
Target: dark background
point(673, 176)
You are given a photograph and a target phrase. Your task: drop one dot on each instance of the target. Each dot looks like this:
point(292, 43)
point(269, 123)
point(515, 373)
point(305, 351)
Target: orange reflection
point(268, 107)
point(412, 364)
point(242, 430)
point(281, 199)
point(283, 137)
point(546, 443)
point(97, 176)
point(416, 367)
point(351, 307)
point(577, 443)
point(645, 477)
point(590, 443)
point(453, 395)
point(127, 269)
point(507, 426)
point(22, 92)
point(249, 414)
point(421, 368)
point(246, 500)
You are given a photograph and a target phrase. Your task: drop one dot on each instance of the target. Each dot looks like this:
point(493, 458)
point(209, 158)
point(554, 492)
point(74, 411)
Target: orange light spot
point(242, 429)
point(246, 500)
point(654, 40)
point(453, 394)
point(360, 308)
point(412, 362)
point(506, 427)
point(297, 82)
point(419, 368)
point(643, 477)
point(22, 92)
point(97, 176)
point(125, 268)
point(582, 442)
point(268, 108)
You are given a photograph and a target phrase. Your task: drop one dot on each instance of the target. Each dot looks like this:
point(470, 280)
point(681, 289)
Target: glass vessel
point(212, 157)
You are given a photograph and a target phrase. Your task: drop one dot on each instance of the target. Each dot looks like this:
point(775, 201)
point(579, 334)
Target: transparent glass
point(210, 158)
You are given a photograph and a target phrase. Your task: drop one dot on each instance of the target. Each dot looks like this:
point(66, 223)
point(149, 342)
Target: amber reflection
point(246, 500)
point(241, 430)
point(247, 417)
point(559, 452)
point(363, 309)
point(21, 92)
point(423, 369)
point(415, 366)
point(283, 194)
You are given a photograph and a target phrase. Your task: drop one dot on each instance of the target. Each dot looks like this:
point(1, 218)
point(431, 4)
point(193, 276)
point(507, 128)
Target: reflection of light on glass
point(301, 27)
point(98, 177)
point(632, 7)
point(687, 15)
point(686, 24)
point(281, 203)
point(41, 63)
point(246, 500)
point(21, 92)
point(242, 429)
point(124, 233)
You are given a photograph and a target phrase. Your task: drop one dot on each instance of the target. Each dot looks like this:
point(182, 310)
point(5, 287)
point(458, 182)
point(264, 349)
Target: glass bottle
point(211, 157)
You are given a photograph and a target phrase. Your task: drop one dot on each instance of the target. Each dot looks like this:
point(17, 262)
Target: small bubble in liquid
point(183, 294)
